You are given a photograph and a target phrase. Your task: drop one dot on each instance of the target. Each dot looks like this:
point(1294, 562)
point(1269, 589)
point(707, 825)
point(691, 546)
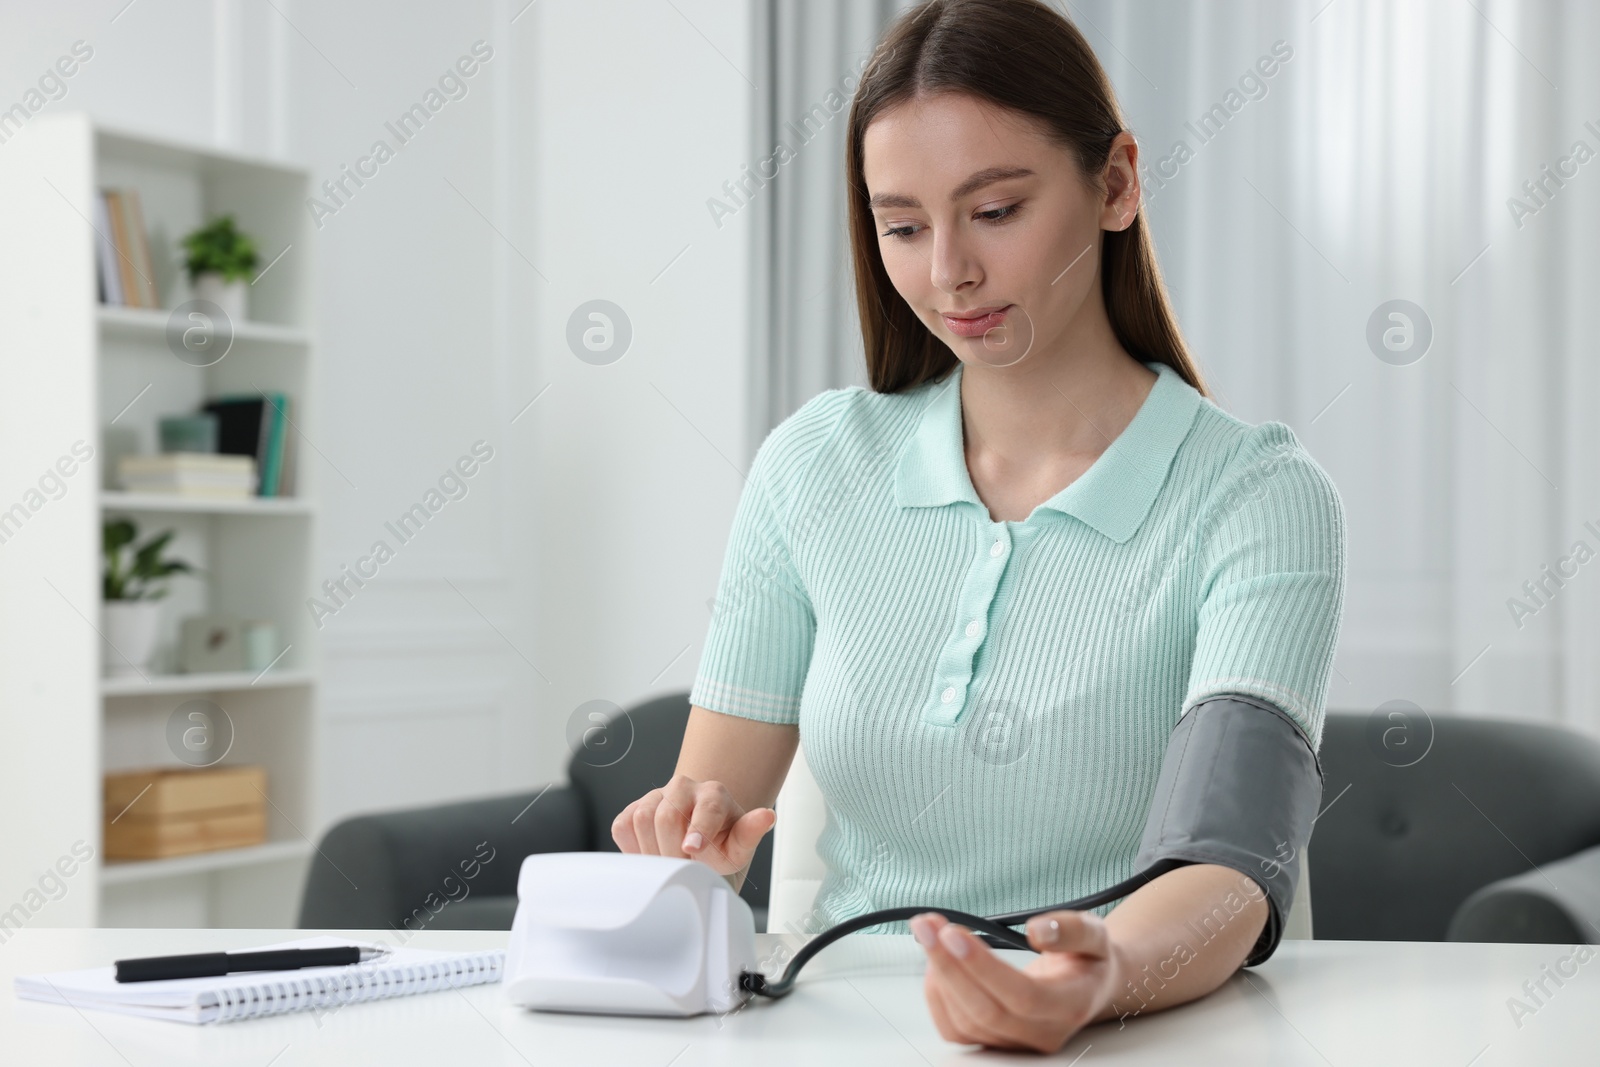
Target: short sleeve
point(1271, 555)
point(758, 649)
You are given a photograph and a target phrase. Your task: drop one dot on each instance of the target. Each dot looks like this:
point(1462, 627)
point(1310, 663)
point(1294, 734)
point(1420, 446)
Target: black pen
point(213, 964)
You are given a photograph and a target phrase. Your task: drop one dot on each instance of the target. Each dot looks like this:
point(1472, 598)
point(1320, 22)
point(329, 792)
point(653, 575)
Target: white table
point(858, 1002)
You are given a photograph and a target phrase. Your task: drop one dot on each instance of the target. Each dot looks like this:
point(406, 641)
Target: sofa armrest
point(1556, 904)
point(400, 869)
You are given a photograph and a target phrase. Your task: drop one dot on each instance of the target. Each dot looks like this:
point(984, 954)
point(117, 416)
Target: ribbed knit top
point(985, 705)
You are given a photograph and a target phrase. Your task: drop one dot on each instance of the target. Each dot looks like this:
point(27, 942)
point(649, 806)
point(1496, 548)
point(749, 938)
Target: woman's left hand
point(978, 998)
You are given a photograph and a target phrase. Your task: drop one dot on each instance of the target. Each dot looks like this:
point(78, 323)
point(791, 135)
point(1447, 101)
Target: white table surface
point(859, 1001)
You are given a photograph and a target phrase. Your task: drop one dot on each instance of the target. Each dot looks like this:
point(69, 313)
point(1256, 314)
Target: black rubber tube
point(995, 931)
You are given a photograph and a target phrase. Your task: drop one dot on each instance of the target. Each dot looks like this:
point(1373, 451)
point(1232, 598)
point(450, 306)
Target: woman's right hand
point(687, 819)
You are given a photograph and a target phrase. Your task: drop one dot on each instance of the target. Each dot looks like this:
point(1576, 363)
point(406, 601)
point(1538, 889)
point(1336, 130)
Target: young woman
point(984, 590)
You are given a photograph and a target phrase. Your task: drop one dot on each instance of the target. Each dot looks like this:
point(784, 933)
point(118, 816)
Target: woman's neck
point(1049, 414)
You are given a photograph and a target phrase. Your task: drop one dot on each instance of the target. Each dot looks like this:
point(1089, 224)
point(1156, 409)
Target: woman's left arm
point(1181, 936)
point(1170, 942)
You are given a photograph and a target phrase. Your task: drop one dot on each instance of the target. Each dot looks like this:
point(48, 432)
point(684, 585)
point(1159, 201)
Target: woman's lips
point(976, 327)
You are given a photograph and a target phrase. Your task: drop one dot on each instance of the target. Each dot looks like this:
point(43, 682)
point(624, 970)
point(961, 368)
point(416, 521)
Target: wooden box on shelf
point(173, 811)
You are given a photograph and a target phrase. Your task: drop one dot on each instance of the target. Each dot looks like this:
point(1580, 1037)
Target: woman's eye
point(999, 214)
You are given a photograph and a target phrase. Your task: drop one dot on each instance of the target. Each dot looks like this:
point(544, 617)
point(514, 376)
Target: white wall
point(575, 167)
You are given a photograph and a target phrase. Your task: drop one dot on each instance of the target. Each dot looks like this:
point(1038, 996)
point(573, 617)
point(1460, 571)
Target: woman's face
point(977, 211)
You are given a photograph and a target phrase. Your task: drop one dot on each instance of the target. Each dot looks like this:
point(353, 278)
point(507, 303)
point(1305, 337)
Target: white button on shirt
point(972, 628)
point(997, 548)
point(949, 694)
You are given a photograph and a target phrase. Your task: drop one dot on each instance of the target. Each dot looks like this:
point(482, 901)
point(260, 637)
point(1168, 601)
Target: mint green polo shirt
point(985, 705)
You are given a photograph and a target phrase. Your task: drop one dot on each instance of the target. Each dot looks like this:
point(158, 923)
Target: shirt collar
point(1114, 495)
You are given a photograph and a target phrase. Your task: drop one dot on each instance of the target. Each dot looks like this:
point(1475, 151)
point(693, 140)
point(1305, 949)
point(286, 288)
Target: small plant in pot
point(220, 260)
point(134, 581)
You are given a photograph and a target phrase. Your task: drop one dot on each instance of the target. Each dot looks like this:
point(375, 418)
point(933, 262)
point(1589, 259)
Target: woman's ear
point(1121, 178)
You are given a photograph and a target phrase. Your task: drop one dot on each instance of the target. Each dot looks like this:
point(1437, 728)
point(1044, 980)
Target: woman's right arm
point(729, 771)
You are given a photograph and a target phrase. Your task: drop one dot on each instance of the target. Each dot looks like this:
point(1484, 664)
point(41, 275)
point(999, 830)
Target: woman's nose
point(952, 265)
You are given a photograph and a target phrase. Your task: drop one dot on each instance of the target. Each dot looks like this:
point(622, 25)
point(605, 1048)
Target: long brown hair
point(1021, 55)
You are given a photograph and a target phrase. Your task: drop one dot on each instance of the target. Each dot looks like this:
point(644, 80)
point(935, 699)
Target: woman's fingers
point(727, 837)
point(748, 831)
point(970, 1029)
point(622, 831)
point(686, 819)
point(983, 998)
point(714, 811)
point(644, 822)
point(678, 802)
point(948, 1028)
point(1082, 932)
point(980, 983)
point(964, 1012)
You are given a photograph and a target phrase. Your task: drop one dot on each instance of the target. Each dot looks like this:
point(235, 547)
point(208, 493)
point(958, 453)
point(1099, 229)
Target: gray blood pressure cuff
point(1240, 787)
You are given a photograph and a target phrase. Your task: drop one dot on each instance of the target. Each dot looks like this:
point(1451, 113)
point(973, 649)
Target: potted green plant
point(220, 259)
point(134, 582)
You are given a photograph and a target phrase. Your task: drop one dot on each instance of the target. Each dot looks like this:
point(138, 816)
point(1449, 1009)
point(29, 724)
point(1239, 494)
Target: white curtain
point(806, 336)
point(1382, 160)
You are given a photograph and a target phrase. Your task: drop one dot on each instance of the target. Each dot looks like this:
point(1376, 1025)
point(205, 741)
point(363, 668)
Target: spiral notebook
point(253, 993)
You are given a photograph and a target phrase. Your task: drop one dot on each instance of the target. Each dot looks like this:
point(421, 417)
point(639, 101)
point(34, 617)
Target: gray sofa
point(1464, 829)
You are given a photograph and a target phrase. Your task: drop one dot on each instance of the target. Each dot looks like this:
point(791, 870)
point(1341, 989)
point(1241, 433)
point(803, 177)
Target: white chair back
point(797, 870)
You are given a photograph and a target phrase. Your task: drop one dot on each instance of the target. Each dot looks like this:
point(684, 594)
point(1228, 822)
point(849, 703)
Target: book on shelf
point(258, 426)
point(291, 451)
point(189, 474)
point(126, 268)
point(139, 235)
point(106, 253)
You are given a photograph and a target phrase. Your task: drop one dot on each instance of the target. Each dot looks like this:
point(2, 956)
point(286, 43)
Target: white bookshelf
point(218, 682)
point(77, 370)
point(144, 324)
point(121, 500)
point(226, 860)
